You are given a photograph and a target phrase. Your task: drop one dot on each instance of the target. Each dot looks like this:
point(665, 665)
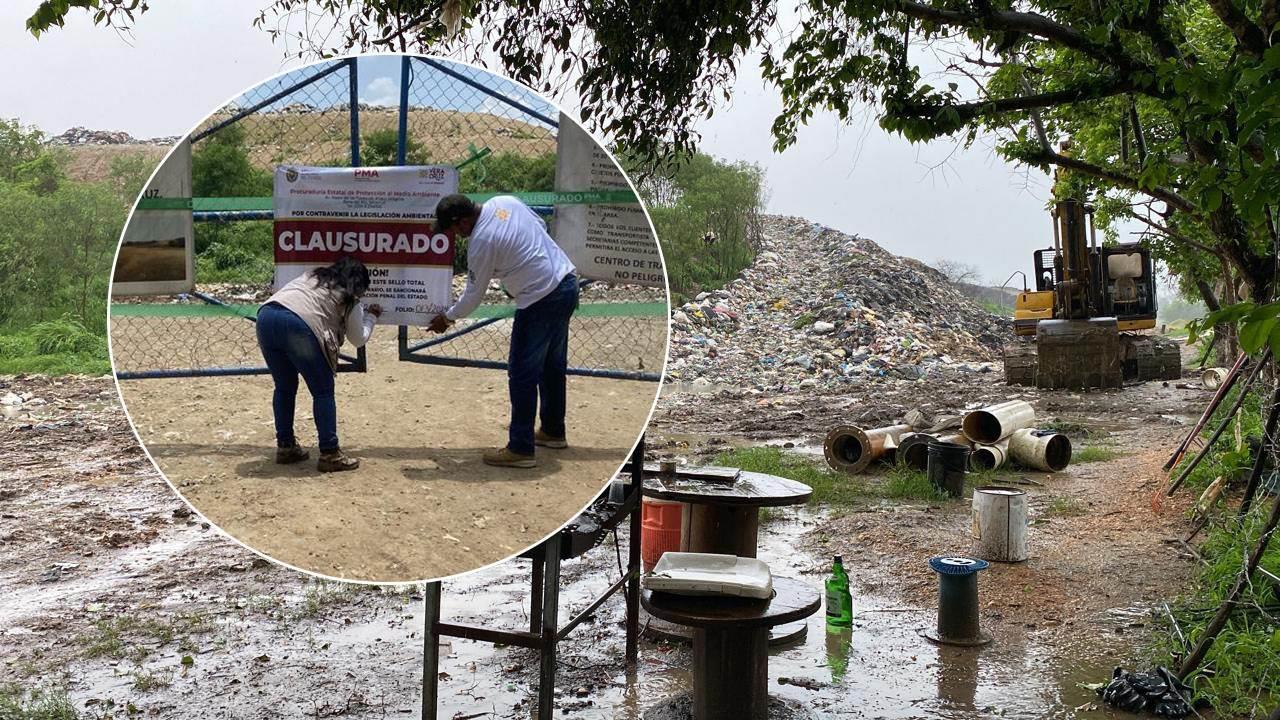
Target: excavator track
point(1151, 357)
point(1141, 358)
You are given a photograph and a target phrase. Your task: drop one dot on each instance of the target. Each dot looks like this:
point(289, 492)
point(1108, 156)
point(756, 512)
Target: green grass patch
point(17, 703)
point(146, 681)
point(904, 483)
point(106, 639)
point(54, 347)
point(129, 636)
point(321, 594)
point(804, 321)
point(1065, 507)
point(1094, 453)
point(829, 488)
point(838, 489)
point(1240, 676)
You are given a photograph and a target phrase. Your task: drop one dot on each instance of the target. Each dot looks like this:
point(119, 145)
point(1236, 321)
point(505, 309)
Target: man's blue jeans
point(290, 349)
point(539, 358)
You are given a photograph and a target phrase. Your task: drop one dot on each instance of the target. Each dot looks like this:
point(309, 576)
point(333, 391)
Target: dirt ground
point(422, 504)
point(1103, 536)
point(112, 585)
point(115, 591)
point(151, 262)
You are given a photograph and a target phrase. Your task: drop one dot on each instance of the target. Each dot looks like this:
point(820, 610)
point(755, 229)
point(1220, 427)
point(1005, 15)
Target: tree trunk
point(1210, 299)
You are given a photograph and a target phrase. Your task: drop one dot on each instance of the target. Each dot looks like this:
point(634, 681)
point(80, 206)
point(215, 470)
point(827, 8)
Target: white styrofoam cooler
point(686, 573)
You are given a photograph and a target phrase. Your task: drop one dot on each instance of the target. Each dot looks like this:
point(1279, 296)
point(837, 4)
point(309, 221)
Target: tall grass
point(1240, 676)
point(1225, 459)
point(54, 347)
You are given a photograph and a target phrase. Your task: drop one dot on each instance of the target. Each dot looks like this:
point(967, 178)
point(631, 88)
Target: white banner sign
point(382, 216)
point(605, 242)
point(157, 252)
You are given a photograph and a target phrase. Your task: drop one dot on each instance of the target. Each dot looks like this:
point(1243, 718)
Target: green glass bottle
point(839, 601)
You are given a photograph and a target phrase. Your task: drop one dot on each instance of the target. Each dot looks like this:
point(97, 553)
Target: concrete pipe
point(1040, 449)
point(992, 424)
point(851, 449)
point(1214, 377)
point(989, 457)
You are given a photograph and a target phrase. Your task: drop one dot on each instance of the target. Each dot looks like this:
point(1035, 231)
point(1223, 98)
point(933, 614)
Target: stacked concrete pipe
point(1005, 432)
point(990, 425)
point(1040, 449)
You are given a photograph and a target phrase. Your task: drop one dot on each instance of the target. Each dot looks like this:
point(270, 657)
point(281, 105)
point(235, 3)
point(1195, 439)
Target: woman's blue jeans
point(539, 358)
point(290, 349)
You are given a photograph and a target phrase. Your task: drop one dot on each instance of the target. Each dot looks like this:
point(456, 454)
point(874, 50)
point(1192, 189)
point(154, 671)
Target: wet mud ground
point(112, 590)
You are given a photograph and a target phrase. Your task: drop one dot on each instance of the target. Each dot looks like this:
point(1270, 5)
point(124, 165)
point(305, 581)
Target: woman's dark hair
point(347, 275)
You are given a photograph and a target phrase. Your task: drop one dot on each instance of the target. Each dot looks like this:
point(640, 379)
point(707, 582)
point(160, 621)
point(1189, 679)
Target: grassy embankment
point(1241, 674)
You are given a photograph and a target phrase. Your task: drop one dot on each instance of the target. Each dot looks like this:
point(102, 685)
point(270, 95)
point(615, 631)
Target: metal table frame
point(544, 631)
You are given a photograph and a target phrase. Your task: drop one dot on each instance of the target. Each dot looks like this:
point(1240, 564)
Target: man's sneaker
point(336, 461)
point(549, 441)
point(291, 455)
point(504, 457)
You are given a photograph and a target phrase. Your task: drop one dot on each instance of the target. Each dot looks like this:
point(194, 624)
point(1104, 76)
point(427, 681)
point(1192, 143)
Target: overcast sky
point(185, 59)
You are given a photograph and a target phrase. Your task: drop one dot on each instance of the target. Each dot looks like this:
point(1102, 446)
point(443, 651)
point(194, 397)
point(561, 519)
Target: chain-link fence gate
point(501, 137)
point(309, 116)
point(618, 331)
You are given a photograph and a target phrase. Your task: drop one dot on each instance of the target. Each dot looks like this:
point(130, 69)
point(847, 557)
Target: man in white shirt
point(508, 241)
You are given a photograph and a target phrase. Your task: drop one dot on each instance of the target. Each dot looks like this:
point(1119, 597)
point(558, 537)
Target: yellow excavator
point(1079, 328)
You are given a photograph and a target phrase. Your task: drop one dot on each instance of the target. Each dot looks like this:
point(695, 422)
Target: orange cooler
point(661, 521)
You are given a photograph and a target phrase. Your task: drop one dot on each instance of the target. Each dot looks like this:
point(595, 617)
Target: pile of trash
point(819, 307)
point(85, 136)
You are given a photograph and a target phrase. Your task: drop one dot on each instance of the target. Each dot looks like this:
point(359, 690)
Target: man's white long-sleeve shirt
point(510, 242)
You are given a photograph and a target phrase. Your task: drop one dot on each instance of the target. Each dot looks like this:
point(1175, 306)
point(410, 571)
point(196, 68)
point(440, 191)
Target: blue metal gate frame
point(408, 352)
point(414, 352)
point(346, 363)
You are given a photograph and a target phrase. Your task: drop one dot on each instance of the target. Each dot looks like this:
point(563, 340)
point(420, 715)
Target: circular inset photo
point(388, 318)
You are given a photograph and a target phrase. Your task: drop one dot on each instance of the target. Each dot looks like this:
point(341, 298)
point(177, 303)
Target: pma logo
point(291, 174)
point(366, 174)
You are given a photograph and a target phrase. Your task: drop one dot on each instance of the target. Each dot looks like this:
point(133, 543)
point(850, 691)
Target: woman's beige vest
point(321, 308)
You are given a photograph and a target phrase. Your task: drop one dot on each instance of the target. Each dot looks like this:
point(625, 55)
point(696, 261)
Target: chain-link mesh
point(304, 118)
point(618, 329)
point(501, 134)
point(308, 125)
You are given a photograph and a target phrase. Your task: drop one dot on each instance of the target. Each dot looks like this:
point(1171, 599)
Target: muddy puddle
point(879, 668)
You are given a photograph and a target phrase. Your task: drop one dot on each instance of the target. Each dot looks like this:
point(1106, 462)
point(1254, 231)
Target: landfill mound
point(819, 307)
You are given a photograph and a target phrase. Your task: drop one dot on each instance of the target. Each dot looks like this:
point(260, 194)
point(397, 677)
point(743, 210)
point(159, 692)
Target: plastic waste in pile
point(839, 601)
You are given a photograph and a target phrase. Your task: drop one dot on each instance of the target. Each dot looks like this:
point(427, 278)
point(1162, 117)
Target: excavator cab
point(1088, 301)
